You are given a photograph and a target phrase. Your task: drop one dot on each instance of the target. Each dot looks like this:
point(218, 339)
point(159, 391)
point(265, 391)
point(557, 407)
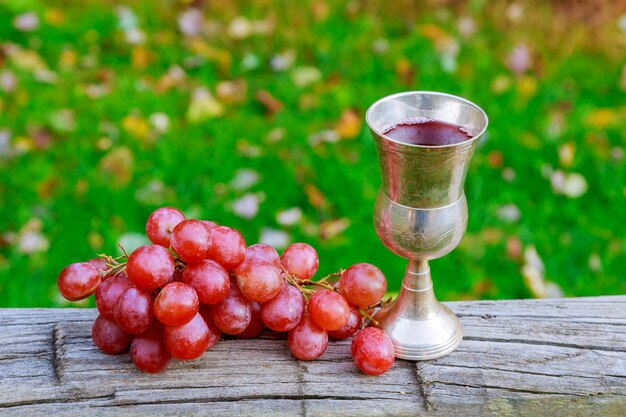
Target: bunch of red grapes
point(197, 280)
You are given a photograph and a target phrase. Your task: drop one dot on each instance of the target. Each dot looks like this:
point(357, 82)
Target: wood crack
point(298, 397)
point(518, 390)
point(25, 355)
point(565, 317)
point(423, 388)
point(544, 343)
point(56, 365)
point(72, 400)
point(301, 391)
point(523, 372)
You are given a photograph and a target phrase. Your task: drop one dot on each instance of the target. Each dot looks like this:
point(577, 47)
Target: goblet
point(421, 214)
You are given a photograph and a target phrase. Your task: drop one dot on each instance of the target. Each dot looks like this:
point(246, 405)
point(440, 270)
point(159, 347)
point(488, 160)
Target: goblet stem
point(417, 281)
point(419, 326)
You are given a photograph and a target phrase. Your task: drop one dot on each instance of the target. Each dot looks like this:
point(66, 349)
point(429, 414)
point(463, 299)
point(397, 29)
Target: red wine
point(426, 132)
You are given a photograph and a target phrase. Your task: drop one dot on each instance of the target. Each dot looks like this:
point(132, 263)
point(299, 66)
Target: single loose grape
point(351, 327)
point(329, 309)
point(176, 304)
point(188, 341)
point(372, 351)
point(191, 240)
point(228, 247)
point(363, 285)
point(301, 260)
point(78, 281)
point(133, 311)
point(161, 223)
point(283, 312)
point(209, 279)
point(109, 337)
point(307, 341)
point(148, 351)
point(150, 267)
point(259, 280)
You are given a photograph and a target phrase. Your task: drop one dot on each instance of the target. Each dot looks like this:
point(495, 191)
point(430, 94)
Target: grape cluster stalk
point(198, 280)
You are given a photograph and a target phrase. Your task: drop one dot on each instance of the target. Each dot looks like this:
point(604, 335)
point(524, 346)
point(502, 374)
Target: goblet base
point(419, 326)
point(423, 339)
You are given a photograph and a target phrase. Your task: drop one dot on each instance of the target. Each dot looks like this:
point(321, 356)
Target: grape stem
point(380, 304)
point(317, 283)
point(118, 267)
point(301, 284)
point(113, 263)
point(123, 250)
point(367, 316)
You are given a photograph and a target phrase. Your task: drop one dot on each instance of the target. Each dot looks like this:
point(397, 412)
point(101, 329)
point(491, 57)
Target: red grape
point(188, 341)
point(351, 327)
point(301, 260)
point(148, 351)
point(150, 266)
point(307, 341)
point(109, 337)
point(208, 224)
point(101, 266)
point(209, 279)
point(329, 309)
point(363, 285)
point(372, 351)
point(233, 314)
point(191, 240)
point(133, 311)
point(263, 251)
point(256, 324)
point(107, 294)
point(161, 223)
point(214, 332)
point(283, 312)
point(227, 247)
point(78, 281)
point(176, 304)
point(259, 280)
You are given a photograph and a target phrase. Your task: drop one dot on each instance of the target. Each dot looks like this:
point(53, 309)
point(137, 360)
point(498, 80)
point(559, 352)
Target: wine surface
point(427, 132)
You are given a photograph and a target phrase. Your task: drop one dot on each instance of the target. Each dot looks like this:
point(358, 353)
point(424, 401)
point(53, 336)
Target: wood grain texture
point(528, 357)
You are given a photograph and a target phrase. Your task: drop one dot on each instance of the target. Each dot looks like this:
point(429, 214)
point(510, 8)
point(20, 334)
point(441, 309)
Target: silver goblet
point(421, 214)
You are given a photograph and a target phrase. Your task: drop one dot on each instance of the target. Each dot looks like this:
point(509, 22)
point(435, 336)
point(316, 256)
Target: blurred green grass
point(82, 163)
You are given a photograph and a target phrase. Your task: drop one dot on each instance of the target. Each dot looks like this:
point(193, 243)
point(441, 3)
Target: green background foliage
point(83, 159)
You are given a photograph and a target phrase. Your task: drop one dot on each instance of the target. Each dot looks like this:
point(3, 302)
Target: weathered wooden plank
point(530, 357)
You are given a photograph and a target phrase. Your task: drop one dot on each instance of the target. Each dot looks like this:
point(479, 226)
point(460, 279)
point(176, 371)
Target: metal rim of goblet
point(432, 93)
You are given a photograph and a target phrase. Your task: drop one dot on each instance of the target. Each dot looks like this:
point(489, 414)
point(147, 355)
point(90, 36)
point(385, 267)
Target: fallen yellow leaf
point(601, 118)
point(141, 57)
point(136, 126)
point(53, 17)
point(526, 86)
point(314, 195)
point(349, 125)
point(118, 163)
